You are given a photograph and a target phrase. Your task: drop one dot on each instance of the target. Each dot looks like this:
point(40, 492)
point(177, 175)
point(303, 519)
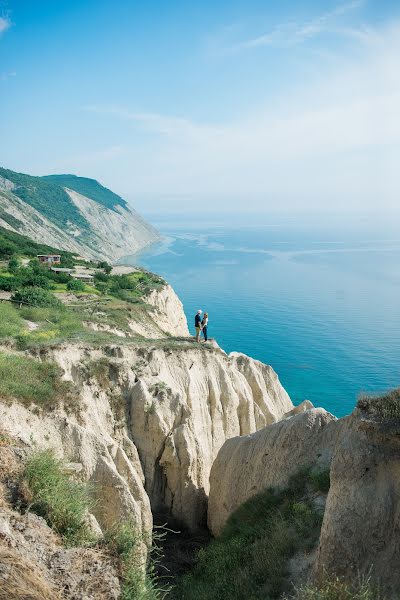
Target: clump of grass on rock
point(52, 494)
point(385, 407)
point(335, 588)
point(138, 582)
point(35, 382)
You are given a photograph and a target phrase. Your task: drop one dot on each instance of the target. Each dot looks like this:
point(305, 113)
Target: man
point(197, 324)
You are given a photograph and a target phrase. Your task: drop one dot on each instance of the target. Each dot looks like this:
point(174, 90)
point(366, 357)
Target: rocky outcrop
point(34, 563)
point(154, 425)
point(268, 458)
point(360, 531)
point(183, 407)
point(168, 311)
point(94, 438)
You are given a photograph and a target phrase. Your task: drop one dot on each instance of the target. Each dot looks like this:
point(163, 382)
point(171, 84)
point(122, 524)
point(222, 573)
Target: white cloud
point(5, 24)
point(291, 33)
point(333, 143)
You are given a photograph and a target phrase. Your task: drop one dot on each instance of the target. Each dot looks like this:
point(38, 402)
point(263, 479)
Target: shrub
point(14, 264)
point(8, 284)
point(321, 480)
point(36, 297)
point(75, 285)
point(62, 502)
point(384, 407)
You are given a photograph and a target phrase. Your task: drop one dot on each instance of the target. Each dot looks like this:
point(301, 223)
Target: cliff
point(98, 225)
point(158, 425)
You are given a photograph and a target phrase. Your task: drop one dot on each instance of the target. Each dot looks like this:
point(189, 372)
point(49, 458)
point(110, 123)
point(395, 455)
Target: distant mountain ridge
point(73, 213)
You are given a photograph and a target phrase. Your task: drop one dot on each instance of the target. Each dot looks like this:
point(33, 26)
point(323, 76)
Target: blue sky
point(250, 105)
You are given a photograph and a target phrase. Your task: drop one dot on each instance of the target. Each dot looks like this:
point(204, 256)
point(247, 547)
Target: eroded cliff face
point(250, 464)
point(151, 417)
point(110, 234)
point(360, 531)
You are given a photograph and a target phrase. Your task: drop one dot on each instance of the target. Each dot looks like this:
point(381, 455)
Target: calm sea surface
point(320, 302)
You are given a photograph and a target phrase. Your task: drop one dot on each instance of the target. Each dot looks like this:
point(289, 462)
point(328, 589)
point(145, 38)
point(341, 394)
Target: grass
point(63, 502)
point(32, 382)
point(11, 322)
point(335, 588)
point(250, 558)
point(138, 582)
point(384, 407)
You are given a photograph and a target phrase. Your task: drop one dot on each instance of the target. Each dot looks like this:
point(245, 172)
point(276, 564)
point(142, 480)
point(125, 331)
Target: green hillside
point(47, 197)
point(89, 188)
point(15, 244)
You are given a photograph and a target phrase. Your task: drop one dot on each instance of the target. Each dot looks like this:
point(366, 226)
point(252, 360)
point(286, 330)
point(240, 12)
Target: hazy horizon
point(239, 107)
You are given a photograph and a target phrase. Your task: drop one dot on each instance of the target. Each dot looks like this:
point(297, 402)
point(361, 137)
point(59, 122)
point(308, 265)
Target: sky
point(214, 106)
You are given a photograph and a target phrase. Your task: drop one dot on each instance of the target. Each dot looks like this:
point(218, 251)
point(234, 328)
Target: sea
point(316, 298)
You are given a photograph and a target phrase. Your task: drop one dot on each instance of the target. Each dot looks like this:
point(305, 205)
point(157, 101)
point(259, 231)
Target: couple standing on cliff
point(201, 325)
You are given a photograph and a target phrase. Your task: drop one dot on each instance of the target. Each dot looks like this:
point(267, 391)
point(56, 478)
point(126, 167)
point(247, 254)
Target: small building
point(49, 259)
point(86, 278)
point(61, 270)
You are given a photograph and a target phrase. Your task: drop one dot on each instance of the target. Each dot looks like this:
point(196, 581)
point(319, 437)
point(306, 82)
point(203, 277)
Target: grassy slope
point(13, 243)
point(49, 198)
point(250, 559)
point(89, 188)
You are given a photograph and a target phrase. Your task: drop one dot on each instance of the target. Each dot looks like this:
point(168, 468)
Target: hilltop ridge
point(72, 213)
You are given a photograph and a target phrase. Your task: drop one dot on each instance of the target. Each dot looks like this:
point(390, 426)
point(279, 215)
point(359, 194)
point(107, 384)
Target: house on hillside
point(61, 270)
point(49, 259)
point(86, 278)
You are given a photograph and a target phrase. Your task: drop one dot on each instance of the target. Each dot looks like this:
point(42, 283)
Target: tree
point(14, 264)
point(104, 265)
point(74, 285)
point(35, 296)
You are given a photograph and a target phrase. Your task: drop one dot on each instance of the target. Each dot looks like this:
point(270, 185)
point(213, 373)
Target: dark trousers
point(205, 333)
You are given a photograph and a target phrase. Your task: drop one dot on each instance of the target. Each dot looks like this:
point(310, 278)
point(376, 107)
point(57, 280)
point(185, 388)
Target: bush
point(8, 284)
point(14, 264)
point(62, 502)
point(384, 407)
point(35, 296)
point(75, 285)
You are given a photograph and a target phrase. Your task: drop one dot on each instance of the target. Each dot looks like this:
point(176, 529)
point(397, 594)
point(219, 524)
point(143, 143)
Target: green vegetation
point(125, 542)
point(74, 285)
point(11, 322)
point(49, 198)
point(321, 480)
point(15, 244)
point(64, 503)
point(35, 296)
point(250, 558)
point(89, 188)
point(30, 381)
point(335, 588)
point(385, 407)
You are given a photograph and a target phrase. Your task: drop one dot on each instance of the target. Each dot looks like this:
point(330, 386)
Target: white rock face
point(168, 312)
point(94, 439)
point(268, 458)
point(116, 232)
point(183, 407)
point(112, 234)
point(360, 531)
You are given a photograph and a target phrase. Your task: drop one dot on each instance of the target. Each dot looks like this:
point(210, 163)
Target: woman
point(204, 324)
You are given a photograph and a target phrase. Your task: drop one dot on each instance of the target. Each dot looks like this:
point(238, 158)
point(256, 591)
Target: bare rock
point(268, 458)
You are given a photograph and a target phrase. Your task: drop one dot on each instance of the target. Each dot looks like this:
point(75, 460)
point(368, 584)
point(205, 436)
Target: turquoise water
point(317, 301)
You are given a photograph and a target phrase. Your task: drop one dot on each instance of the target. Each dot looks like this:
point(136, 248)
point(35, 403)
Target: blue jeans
point(205, 332)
